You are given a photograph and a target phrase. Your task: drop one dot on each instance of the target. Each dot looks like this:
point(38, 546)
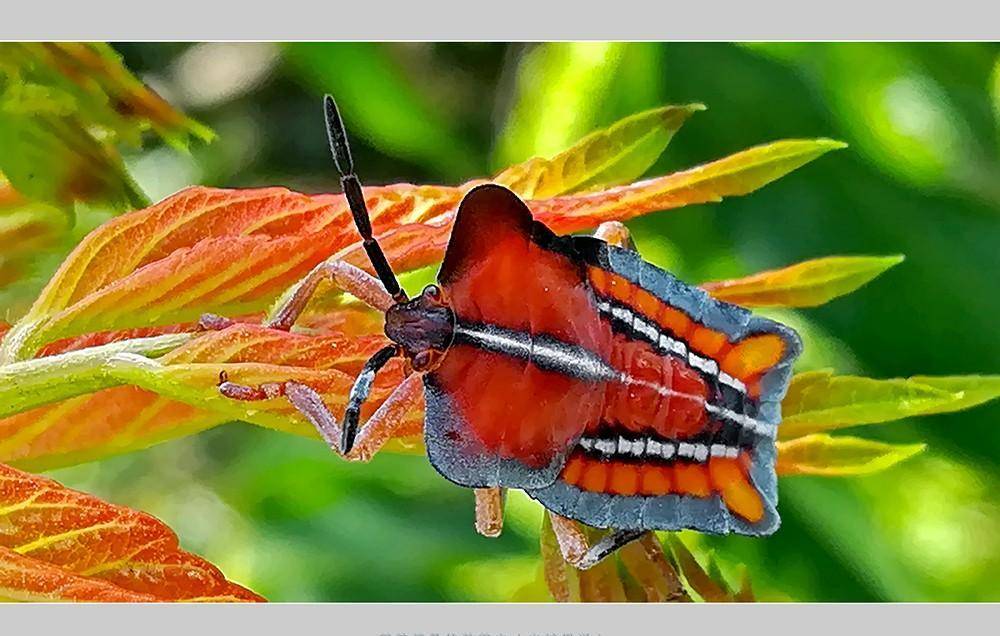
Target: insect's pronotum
point(566, 366)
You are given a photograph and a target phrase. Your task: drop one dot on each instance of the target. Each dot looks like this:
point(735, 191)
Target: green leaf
point(975, 390)
point(63, 108)
point(380, 102)
point(615, 155)
point(104, 93)
point(819, 401)
point(806, 284)
point(558, 93)
point(49, 154)
point(828, 456)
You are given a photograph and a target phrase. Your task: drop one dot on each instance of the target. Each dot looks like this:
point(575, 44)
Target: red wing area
point(502, 268)
point(497, 419)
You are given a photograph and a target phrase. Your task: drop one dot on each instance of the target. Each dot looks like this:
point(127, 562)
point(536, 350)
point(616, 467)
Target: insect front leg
point(489, 511)
point(347, 277)
point(347, 438)
point(575, 547)
point(615, 233)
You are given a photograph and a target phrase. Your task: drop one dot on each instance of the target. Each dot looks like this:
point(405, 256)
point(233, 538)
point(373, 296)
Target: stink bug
point(566, 366)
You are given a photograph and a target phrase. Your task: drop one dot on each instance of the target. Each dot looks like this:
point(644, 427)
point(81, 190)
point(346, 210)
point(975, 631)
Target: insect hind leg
point(489, 511)
point(576, 549)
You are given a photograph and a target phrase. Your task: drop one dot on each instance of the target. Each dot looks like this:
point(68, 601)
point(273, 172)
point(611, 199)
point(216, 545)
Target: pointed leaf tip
point(819, 401)
point(806, 284)
point(736, 175)
point(973, 389)
point(828, 456)
point(611, 156)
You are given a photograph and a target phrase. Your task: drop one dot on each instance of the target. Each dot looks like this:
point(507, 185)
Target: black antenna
point(355, 198)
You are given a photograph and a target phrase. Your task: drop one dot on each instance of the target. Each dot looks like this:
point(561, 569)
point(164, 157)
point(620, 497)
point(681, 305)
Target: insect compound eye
point(433, 292)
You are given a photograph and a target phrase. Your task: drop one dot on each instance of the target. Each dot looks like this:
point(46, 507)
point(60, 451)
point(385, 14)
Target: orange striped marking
point(692, 479)
point(746, 360)
point(595, 477)
point(654, 480)
point(623, 479)
point(727, 477)
point(731, 480)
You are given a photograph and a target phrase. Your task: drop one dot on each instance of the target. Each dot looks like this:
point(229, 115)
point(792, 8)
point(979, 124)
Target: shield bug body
point(566, 366)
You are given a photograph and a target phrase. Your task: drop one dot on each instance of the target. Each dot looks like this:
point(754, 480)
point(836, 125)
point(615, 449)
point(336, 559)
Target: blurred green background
point(921, 177)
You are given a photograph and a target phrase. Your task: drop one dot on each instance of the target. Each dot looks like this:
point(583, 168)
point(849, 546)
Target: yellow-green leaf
point(50, 155)
point(975, 390)
point(820, 454)
point(557, 94)
point(617, 154)
point(745, 593)
point(735, 175)
point(805, 284)
point(93, 77)
point(820, 401)
point(64, 106)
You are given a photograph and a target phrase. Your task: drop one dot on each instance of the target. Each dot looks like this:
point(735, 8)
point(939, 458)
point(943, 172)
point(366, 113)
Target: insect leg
point(387, 420)
point(572, 542)
point(608, 544)
point(214, 322)
point(615, 233)
point(489, 511)
point(359, 393)
point(347, 277)
point(575, 548)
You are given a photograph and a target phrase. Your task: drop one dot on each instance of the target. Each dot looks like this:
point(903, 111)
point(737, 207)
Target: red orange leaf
point(233, 251)
point(415, 246)
point(60, 544)
point(177, 395)
point(225, 251)
point(805, 284)
point(25, 579)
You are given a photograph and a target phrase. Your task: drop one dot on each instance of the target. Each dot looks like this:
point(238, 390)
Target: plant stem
point(31, 383)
